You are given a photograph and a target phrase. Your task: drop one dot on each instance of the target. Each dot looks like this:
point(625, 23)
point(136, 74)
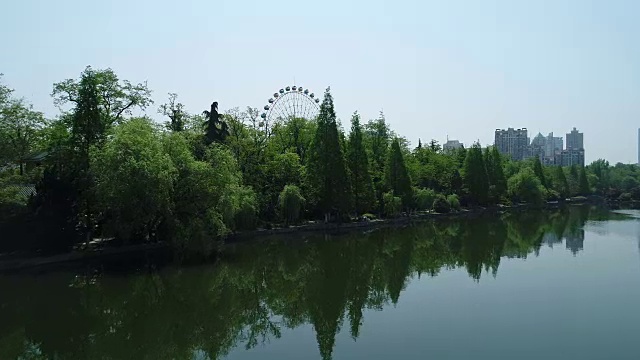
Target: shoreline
point(9, 263)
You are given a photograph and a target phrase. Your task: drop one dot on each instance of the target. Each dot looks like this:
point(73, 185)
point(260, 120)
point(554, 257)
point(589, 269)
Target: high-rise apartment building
point(575, 140)
point(574, 153)
point(553, 145)
point(537, 147)
point(512, 142)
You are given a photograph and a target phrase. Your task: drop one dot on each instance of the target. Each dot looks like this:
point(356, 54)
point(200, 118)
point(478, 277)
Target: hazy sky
point(436, 68)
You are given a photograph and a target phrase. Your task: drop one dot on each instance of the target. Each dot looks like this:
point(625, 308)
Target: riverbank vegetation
point(97, 171)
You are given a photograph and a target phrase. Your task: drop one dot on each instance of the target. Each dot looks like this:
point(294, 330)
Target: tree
point(216, 130)
point(377, 136)
point(88, 129)
point(175, 112)
point(500, 180)
point(525, 186)
point(396, 176)
point(20, 131)
point(456, 182)
point(361, 185)
point(115, 98)
point(495, 173)
point(584, 182)
point(293, 135)
point(134, 178)
point(560, 184)
point(327, 170)
point(574, 180)
point(434, 146)
point(601, 169)
point(475, 177)
point(291, 202)
point(537, 170)
point(424, 198)
point(279, 171)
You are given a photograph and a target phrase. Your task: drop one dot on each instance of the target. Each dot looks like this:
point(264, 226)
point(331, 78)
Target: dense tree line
point(199, 176)
point(263, 290)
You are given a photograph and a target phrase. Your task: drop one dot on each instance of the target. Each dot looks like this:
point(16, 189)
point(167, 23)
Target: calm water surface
point(548, 285)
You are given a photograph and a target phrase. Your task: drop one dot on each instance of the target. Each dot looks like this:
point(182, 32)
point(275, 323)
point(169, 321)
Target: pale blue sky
point(437, 68)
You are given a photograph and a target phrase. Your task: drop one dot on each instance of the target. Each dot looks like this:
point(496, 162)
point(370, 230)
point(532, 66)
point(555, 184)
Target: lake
point(562, 284)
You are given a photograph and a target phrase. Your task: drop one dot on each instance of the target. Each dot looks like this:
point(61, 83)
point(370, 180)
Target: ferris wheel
point(291, 102)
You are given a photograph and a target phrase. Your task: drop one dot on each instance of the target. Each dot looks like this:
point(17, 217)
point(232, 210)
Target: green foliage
point(495, 173)
point(396, 175)
point(291, 203)
point(327, 170)
point(295, 135)
point(537, 170)
point(441, 205)
point(13, 197)
point(584, 182)
point(475, 177)
point(20, 132)
point(88, 127)
point(246, 209)
point(424, 198)
point(175, 112)
point(526, 187)
point(574, 180)
point(392, 204)
point(434, 170)
point(602, 171)
point(560, 184)
point(357, 159)
point(279, 171)
point(454, 202)
point(216, 129)
point(377, 137)
point(134, 180)
point(116, 98)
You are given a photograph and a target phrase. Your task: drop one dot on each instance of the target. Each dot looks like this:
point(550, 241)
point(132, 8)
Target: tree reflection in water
point(261, 288)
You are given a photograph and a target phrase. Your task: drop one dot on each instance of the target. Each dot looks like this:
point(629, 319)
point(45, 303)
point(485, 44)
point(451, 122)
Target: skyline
point(459, 69)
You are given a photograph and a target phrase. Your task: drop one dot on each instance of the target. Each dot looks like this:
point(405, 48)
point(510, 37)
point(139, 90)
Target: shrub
point(526, 187)
point(392, 204)
point(246, 209)
point(625, 197)
point(291, 203)
point(424, 198)
point(454, 202)
point(441, 205)
point(553, 195)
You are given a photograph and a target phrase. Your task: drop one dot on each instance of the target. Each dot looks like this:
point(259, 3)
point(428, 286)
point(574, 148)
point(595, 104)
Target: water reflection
point(261, 288)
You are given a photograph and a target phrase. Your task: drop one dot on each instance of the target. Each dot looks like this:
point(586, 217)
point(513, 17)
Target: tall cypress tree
point(497, 173)
point(537, 169)
point(396, 175)
point(361, 184)
point(475, 177)
point(327, 171)
point(585, 189)
point(562, 186)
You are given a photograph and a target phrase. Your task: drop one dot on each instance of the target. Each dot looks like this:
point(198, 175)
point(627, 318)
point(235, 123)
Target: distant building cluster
point(451, 145)
point(549, 149)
